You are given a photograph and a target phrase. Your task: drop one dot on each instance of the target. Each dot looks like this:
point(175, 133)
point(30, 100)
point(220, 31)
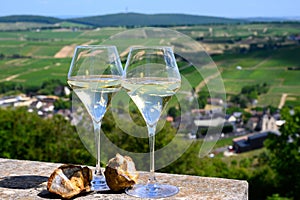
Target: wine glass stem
point(97, 128)
point(151, 132)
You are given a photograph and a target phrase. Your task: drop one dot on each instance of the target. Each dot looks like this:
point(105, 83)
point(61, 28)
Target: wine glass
point(95, 75)
point(151, 79)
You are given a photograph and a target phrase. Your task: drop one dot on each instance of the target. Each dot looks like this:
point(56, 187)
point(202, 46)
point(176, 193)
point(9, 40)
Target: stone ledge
point(28, 180)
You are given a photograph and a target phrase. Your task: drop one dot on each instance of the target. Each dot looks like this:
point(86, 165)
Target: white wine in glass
point(95, 75)
point(151, 79)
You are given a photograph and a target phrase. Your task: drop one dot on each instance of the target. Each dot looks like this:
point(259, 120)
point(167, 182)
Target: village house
point(43, 105)
point(253, 124)
point(16, 101)
point(268, 123)
point(264, 122)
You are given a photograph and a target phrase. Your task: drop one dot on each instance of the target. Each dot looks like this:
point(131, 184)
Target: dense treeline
point(14, 56)
point(284, 154)
point(29, 18)
point(48, 87)
point(249, 94)
point(25, 135)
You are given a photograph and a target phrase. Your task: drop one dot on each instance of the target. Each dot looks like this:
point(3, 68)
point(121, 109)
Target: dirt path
point(9, 78)
point(261, 62)
point(206, 80)
point(282, 100)
point(68, 50)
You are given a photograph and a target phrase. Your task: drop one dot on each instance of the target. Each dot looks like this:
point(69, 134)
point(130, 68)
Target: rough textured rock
point(70, 180)
point(120, 173)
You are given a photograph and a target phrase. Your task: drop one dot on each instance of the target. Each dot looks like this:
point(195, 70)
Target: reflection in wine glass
point(151, 79)
point(95, 75)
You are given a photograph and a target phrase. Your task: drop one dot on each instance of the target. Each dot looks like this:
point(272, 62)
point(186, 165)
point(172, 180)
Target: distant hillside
point(272, 19)
point(136, 19)
point(29, 18)
point(126, 19)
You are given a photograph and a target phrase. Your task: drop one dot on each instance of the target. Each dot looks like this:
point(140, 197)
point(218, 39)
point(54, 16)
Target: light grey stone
point(28, 180)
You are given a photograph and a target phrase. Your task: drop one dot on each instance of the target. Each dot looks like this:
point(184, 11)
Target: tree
point(62, 104)
point(202, 98)
point(53, 86)
point(173, 112)
point(25, 135)
point(240, 100)
point(284, 154)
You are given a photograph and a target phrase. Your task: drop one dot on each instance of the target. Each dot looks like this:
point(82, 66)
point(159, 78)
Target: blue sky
point(222, 8)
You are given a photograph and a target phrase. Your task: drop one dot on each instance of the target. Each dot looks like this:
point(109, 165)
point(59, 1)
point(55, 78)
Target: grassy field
point(38, 48)
point(269, 67)
point(241, 31)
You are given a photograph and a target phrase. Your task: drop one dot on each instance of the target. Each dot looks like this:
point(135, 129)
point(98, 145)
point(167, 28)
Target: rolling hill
point(29, 18)
point(139, 20)
point(136, 19)
point(126, 19)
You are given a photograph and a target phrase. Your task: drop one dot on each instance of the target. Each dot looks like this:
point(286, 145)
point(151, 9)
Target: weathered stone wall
point(28, 180)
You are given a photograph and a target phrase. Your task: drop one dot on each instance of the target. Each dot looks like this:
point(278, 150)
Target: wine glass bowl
point(95, 75)
point(151, 79)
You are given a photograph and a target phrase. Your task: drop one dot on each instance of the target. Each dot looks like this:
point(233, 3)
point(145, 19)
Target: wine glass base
point(152, 191)
point(99, 184)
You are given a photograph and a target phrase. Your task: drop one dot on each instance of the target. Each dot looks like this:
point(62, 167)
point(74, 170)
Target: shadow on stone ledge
point(22, 182)
point(48, 195)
